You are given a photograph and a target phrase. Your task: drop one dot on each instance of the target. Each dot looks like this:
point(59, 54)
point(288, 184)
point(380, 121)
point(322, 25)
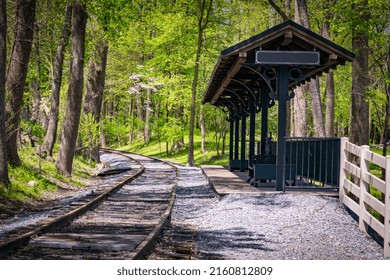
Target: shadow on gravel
point(231, 240)
point(263, 200)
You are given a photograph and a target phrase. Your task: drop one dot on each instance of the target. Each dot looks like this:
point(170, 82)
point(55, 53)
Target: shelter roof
point(238, 62)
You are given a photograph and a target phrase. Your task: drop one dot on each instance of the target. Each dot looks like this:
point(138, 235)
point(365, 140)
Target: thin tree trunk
point(147, 115)
point(75, 92)
point(103, 142)
point(224, 132)
point(131, 114)
point(17, 72)
point(385, 134)
point(203, 130)
point(329, 113)
point(177, 145)
point(4, 179)
point(202, 25)
point(360, 118)
point(140, 114)
point(190, 157)
point(51, 132)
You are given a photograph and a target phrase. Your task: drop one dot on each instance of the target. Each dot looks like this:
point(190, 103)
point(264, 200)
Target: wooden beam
point(330, 59)
point(236, 66)
point(288, 37)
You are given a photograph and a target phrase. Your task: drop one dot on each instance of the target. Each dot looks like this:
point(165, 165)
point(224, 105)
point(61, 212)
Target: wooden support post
point(387, 210)
point(364, 187)
point(343, 159)
point(243, 142)
point(283, 78)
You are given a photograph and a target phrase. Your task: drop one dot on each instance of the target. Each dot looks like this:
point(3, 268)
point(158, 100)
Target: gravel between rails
point(275, 227)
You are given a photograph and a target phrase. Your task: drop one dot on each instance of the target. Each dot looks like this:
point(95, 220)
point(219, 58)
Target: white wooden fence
point(363, 201)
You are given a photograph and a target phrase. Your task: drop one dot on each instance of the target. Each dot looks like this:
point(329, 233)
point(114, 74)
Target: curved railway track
point(119, 220)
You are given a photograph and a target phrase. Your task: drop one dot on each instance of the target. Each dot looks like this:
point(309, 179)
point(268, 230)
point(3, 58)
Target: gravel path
point(278, 226)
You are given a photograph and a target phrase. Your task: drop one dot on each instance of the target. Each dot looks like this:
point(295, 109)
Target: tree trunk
point(203, 130)
point(95, 90)
point(287, 8)
point(360, 118)
point(4, 179)
point(96, 81)
point(177, 145)
point(314, 85)
point(51, 132)
point(385, 134)
point(190, 157)
point(224, 132)
point(329, 89)
point(329, 113)
point(75, 92)
point(103, 142)
point(204, 14)
point(140, 114)
point(300, 123)
point(131, 114)
point(36, 84)
point(17, 72)
point(147, 115)
point(318, 121)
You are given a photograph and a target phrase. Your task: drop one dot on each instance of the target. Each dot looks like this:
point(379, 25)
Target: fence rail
point(357, 185)
point(316, 159)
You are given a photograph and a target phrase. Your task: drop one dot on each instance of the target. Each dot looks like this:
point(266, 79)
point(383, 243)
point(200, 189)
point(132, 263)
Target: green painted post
point(283, 78)
point(252, 130)
point(231, 134)
point(243, 142)
point(236, 137)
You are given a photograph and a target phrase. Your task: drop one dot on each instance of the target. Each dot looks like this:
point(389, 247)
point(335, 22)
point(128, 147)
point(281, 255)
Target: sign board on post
point(287, 58)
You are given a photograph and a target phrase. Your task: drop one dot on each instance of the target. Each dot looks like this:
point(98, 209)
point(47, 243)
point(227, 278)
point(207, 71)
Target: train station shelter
point(255, 74)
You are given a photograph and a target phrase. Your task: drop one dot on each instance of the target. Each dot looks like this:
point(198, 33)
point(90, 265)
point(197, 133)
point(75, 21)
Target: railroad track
point(119, 220)
point(176, 242)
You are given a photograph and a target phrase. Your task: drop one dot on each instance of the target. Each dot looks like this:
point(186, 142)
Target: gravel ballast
point(269, 226)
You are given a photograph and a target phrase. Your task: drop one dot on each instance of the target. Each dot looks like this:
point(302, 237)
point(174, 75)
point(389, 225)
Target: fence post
point(364, 188)
point(343, 158)
point(387, 210)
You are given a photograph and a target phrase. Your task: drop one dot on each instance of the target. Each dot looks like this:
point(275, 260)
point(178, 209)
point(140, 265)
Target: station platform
point(226, 182)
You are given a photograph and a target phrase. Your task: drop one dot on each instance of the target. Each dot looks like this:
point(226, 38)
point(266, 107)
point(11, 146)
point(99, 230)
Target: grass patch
point(158, 149)
point(35, 176)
